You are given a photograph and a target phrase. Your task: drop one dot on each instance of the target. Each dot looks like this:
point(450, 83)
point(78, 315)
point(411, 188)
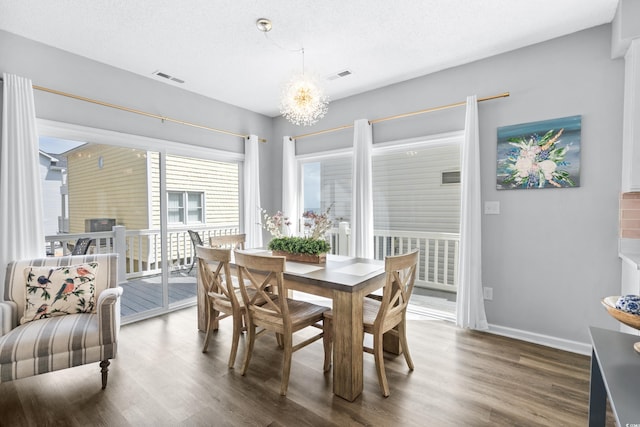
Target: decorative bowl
point(629, 319)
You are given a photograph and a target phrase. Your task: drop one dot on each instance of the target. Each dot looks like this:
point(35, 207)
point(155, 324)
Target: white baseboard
point(547, 340)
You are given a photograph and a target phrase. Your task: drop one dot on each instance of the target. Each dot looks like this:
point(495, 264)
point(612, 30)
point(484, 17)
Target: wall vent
point(167, 76)
point(340, 74)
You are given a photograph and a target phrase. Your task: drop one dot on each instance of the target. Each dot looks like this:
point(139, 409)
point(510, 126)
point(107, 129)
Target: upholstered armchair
point(57, 313)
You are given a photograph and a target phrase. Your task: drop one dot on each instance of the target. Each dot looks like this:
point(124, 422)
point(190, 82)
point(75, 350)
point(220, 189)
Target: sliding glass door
point(141, 204)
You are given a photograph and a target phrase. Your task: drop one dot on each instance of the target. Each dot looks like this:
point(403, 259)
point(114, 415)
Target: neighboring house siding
point(335, 188)
point(408, 192)
point(127, 188)
point(217, 180)
point(117, 190)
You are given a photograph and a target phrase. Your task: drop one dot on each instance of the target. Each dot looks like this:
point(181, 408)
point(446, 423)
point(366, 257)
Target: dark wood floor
point(161, 378)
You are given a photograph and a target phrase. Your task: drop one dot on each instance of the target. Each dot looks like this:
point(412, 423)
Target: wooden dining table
point(346, 281)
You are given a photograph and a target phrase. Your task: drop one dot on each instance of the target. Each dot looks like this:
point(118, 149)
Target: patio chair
point(82, 246)
point(57, 313)
point(281, 315)
point(196, 241)
point(388, 314)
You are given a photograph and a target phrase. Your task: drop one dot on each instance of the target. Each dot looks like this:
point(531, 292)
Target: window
point(185, 204)
point(408, 192)
point(451, 177)
point(326, 182)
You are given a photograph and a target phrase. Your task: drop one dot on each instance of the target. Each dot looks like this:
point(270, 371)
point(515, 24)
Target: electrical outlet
point(487, 293)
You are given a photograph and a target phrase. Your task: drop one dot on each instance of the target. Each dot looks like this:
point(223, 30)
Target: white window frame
point(185, 208)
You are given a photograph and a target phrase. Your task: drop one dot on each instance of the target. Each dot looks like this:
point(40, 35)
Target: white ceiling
point(215, 47)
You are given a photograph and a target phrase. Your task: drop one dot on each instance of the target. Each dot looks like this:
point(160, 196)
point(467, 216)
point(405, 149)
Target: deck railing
point(438, 266)
point(141, 250)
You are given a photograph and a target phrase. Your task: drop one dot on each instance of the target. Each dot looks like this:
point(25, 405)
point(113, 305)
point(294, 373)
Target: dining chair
point(223, 300)
point(387, 314)
point(281, 315)
point(232, 241)
point(196, 240)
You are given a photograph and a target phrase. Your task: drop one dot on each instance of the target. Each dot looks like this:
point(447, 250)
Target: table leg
point(597, 395)
point(347, 344)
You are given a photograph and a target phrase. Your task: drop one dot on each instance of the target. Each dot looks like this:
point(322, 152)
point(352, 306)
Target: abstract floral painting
point(543, 154)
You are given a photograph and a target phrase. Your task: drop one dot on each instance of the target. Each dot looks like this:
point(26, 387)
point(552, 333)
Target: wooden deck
point(146, 293)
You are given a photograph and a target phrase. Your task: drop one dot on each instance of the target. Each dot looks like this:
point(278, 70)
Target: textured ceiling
point(215, 47)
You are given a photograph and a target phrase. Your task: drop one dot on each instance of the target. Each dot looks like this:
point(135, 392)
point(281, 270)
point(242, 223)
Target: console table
point(615, 372)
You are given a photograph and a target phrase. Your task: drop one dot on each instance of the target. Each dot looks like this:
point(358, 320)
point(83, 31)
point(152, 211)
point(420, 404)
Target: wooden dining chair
point(196, 240)
point(387, 314)
point(231, 241)
point(281, 315)
point(223, 299)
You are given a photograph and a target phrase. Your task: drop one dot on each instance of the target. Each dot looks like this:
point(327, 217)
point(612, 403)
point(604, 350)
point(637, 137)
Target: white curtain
point(362, 198)
point(289, 183)
point(21, 215)
point(470, 304)
point(252, 221)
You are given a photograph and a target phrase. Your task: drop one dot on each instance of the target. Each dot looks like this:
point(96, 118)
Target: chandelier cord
point(303, 101)
point(266, 36)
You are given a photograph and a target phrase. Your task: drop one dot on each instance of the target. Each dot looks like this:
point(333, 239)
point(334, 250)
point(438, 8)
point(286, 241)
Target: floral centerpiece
point(312, 247)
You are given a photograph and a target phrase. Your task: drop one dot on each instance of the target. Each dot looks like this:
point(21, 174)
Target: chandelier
point(303, 101)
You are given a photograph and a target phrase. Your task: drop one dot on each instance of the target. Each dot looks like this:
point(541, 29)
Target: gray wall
point(63, 71)
point(551, 254)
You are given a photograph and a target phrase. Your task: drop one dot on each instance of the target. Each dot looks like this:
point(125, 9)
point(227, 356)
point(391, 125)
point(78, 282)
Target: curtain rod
point(142, 113)
point(399, 116)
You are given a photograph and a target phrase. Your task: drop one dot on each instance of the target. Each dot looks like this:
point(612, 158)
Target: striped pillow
point(57, 291)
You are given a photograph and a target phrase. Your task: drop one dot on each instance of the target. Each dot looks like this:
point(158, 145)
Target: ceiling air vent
point(167, 76)
point(340, 74)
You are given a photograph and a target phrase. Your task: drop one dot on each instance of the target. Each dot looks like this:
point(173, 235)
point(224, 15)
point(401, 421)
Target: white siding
point(408, 193)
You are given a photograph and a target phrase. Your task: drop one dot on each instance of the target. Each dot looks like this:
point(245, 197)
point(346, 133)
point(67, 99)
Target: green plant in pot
point(299, 245)
point(313, 247)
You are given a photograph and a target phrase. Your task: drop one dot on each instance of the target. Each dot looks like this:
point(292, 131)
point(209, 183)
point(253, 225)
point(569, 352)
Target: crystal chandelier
point(303, 102)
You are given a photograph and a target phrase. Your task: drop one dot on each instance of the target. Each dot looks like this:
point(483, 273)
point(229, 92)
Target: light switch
point(492, 208)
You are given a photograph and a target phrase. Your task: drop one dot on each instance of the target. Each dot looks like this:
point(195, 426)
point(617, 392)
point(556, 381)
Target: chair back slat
point(216, 280)
point(399, 282)
point(264, 275)
point(231, 241)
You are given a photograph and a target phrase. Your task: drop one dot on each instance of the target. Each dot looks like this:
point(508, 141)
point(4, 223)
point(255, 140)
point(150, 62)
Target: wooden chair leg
point(207, 333)
point(327, 341)
point(251, 334)
point(286, 365)
point(104, 365)
point(215, 319)
point(237, 330)
point(379, 357)
point(402, 332)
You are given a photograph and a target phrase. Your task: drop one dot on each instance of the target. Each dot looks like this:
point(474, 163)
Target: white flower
point(523, 166)
point(548, 168)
